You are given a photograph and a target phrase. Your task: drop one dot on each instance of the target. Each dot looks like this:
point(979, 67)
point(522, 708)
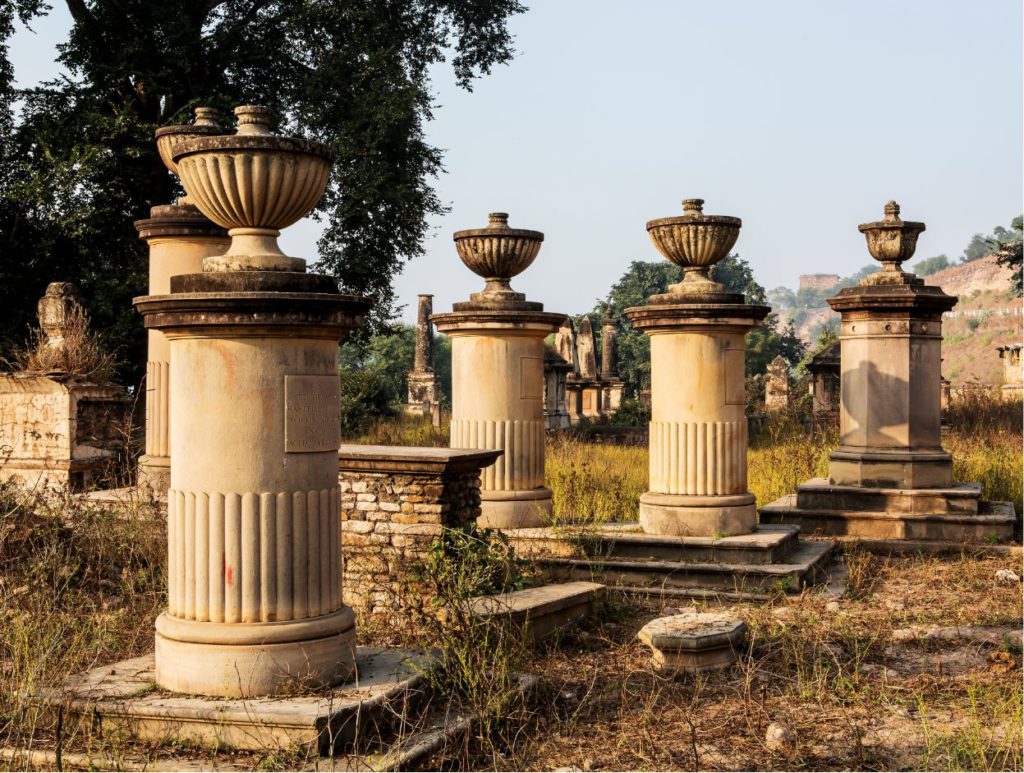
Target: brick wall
point(394, 502)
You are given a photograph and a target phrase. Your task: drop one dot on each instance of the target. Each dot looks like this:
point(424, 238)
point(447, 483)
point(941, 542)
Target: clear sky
point(803, 117)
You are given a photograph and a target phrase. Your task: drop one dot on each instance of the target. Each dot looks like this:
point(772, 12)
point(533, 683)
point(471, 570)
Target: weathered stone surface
point(124, 695)
point(541, 612)
point(693, 641)
point(423, 388)
point(776, 387)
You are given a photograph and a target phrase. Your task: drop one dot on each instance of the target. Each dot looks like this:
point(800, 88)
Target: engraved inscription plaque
point(531, 378)
point(311, 420)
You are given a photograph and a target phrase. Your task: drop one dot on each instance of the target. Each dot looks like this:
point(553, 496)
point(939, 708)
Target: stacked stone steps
point(954, 514)
point(619, 555)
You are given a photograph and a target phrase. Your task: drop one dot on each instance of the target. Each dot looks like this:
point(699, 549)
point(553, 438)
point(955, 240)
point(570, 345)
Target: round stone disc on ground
point(693, 641)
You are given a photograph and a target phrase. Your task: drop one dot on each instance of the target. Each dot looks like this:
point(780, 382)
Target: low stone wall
point(395, 501)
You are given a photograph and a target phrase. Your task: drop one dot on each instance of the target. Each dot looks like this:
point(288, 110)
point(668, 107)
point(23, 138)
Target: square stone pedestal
point(123, 697)
point(766, 561)
point(951, 514)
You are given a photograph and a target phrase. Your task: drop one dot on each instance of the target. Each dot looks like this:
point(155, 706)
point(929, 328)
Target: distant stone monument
point(179, 237)
point(556, 369)
point(890, 478)
point(776, 385)
point(254, 575)
point(59, 429)
point(1013, 380)
point(498, 373)
point(824, 370)
point(612, 387)
point(424, 390)
point(589, 379)
point(565, 346)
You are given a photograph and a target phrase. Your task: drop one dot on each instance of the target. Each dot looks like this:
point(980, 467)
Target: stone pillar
point(891, 341)
point(698, 429)
point(254, 572)
point(1013, 378)
point(612, 387)
point(178, 237)
point(776, 385)
point(422, 381)
point(498, 374)
point(60, 308)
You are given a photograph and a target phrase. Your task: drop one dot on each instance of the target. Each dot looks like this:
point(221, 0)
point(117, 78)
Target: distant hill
point(988, 315)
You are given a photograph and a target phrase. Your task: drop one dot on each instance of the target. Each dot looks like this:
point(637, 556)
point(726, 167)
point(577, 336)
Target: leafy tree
point(981, 246)
point(79, 162)
point(1009, 253)
point(782, 298)
point(929, 266)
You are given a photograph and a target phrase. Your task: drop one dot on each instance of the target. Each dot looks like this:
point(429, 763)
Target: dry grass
point(595, 483)
point(82, 353)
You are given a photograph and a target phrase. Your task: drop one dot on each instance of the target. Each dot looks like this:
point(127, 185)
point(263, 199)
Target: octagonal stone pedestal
point(693, 642)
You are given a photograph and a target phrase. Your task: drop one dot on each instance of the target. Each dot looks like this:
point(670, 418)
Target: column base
point(515, 509)
point(243, 660)
point(154, 473)
point(878, 468)
point(697, 516)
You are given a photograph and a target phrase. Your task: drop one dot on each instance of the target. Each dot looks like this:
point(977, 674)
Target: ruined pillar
point(891, 341)
point(698, 429)
point(1013, 378)
point(589, 381)
point(776, 385)
point(612, 387)
point(254, 572)
point(498, 373)
point(423, 390)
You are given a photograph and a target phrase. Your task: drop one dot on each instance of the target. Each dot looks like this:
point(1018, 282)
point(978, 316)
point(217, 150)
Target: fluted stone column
point(698, 429)
point(179, 237)
point(254, 572)
point(498, 374)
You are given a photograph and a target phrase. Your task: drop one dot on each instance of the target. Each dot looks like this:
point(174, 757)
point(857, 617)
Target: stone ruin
point(824, 384)
point(423, 387)
point(776, 385)
point(1013, 378)
point(59, 429)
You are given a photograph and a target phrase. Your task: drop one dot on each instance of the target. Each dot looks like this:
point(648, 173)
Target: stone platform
point(541, 613)
point(954, 514)
point(770, 559)
point(123, 697)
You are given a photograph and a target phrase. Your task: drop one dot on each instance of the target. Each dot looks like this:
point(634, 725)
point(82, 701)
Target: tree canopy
point(78, 163)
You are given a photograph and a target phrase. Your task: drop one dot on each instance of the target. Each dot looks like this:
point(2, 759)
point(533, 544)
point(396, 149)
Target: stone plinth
point(1013, 376)
point(423, 389)
point(890, 402)
point(59, 431)
point(395, 501)
point(776, 387)
point(698, 429)
point(179, 237)
point(498, 403)
point(540, 613)
point(693, 642)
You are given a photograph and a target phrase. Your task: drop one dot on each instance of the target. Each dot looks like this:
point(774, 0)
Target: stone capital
point(171, 221)
point(498, 322)
point(898, 299)
point(681, 317)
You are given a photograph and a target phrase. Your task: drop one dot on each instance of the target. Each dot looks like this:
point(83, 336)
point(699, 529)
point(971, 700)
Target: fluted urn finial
point(891, 241)
point(696, 242)
point(498, 253)
point(206, 124)
point(254, 183)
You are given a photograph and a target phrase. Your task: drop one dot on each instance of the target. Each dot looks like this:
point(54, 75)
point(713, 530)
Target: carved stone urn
point(254, 571)
point(892, 241)
point(252, 183)
point(498, 253)
point(696, 242)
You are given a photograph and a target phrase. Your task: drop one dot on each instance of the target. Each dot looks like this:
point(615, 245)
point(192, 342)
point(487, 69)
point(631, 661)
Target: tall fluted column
point(179, 237)
point(698, 429)
point(254, 571)
point(498, 374)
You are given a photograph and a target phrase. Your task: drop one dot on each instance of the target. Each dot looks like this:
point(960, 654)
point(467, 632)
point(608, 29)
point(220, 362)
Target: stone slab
point(766, 545)
point(542, 612)
point(693, 641)
point(124, 697)
point(994, 522)
point(412, 459)
point(818, 493)
point(804, 566)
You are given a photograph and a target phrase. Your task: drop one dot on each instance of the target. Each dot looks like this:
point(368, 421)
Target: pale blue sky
point(801, 117)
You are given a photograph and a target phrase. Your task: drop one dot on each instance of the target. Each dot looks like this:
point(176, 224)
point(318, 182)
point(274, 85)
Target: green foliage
point(79, 163)
point(980, 246)
point(365, 397)
point(1010, 253)
point(468, 562)
point(631, 413)
point(929, 266)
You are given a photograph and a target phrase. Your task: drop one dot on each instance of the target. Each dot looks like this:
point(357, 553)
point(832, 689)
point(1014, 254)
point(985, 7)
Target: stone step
point(993, 523)
point(541, 612)
point(767, 545)
point(804, 566)
point(819, 494)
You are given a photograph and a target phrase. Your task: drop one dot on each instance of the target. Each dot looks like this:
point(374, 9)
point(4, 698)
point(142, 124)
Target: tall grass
point(81, 354)
point(595, 483)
